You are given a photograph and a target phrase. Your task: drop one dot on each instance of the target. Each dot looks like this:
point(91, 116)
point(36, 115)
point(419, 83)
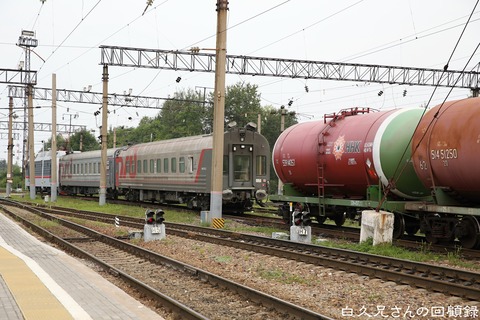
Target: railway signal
point(154, 228)
point(149, 216)
point(159, 216)
point(297, 218)
point(306, 219)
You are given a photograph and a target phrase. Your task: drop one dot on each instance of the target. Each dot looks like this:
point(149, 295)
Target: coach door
point(241, 166)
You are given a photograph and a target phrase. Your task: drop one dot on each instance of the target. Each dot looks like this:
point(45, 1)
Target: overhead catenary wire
point(415, 148)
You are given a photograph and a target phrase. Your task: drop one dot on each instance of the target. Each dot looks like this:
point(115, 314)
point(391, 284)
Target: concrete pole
point(103, 134)
point(282, 128)
point(10, 147)
point(53, 148)
point(31, 142)
point(219, 112)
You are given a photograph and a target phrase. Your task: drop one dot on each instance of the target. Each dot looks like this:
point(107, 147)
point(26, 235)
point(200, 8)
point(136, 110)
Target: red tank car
point(345, 154)
point(446, 149)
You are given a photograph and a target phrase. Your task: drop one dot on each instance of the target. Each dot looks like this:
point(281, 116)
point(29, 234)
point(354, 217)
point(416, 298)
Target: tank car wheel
point(398, 226)
point(430, 238)
point(321, 219)
point(411, 230)
point(340, 218)
point(412, 226)
point(284, 212)
point(468, 232)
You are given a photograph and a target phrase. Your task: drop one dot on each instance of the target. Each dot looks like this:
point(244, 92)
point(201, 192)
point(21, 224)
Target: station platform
point(38, 282)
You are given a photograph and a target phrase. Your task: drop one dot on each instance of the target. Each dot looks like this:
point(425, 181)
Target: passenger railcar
point(179, 170)
point(80, 173)
point(176, 170)
point(360, 159)
point(43, 171)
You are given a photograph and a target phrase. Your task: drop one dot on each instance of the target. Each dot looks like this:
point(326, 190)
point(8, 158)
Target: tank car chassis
point(440, 218)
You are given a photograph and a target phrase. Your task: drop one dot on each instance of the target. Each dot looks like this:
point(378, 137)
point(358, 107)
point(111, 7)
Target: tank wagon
point(177, 170)
point(364, 159)
point(43, 171)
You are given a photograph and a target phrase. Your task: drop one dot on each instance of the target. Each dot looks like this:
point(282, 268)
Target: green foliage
point(185, 116)
point(83, 141)
point(61, 143)
point(242, 102)
point(17, 176)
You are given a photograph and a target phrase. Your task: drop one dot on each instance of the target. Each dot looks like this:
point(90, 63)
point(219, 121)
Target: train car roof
point(89, 154)
point(46, 155)
point(186, 143)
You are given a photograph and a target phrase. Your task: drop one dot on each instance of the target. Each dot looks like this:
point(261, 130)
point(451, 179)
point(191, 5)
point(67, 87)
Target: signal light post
point(154, 228)
point(301, 231)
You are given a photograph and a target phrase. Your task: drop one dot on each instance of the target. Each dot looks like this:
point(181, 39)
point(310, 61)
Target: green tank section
point(392, 154)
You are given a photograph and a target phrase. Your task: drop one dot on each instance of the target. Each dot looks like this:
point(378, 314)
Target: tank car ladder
point(321, 162)
point(333, 117)
point(320, 173)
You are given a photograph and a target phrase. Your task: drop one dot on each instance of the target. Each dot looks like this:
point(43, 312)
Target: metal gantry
point(18, 76)
point(38, 126)
point(288, 68)
point(78, 96)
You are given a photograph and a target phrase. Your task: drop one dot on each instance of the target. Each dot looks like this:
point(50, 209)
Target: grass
point(280, 276)
point(114, 209)
point(388, 250)
point(422, 255)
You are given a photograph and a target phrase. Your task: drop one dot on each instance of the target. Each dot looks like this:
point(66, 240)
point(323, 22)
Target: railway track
point(324, 230)
point(435, 278)
point(189, 292)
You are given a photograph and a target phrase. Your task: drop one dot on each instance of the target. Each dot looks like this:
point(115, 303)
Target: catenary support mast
point(219, 112)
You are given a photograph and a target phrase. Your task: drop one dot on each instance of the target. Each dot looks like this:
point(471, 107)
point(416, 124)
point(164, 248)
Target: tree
point(271, 123)
point(84, 138)
point(185, 116)
point(61, 143)
point(17, 177)
point(242, 103)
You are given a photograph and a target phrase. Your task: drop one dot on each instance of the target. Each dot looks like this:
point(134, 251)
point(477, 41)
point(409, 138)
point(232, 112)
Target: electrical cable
point(71, 32)
point(309, 26)
point(393, 180)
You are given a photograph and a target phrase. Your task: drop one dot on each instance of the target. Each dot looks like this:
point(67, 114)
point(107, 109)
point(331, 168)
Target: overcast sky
point(407, 33)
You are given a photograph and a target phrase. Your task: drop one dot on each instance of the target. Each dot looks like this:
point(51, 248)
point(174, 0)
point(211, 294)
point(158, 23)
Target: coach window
point(174, 165)
point(145, 166)
point(159, 165)
point(90, 168)
point(139, 166)
point(181, 164)
point(81, 169)
point(127, 166)
point(241, 165)
point(261, 165)
point(132, 169)
point(165, 165)
point(190, 164)
point(152, 166)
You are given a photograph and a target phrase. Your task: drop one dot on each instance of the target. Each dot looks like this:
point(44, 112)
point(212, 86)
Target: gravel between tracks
point(334, 293)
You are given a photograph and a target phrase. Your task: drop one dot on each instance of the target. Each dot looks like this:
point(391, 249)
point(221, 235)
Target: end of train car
point(43, 171)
